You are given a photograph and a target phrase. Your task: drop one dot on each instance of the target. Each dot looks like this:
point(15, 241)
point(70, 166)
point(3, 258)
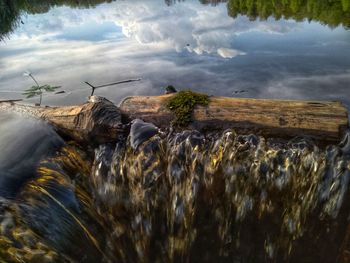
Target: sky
point(188, 45)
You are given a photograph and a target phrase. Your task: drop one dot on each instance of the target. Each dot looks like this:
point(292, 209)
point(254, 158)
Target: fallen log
point(325, 121)
point(100, 121)
point(13, 100)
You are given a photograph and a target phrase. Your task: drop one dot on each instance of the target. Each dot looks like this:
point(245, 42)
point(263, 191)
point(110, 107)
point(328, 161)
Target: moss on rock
point(183, 104)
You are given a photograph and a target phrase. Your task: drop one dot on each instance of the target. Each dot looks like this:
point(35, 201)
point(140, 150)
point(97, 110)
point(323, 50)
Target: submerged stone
point(140, 132)
point(170, 89)
point(345, 143)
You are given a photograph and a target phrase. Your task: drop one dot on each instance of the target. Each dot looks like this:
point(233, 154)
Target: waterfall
point(23, 143)
point(168, 196)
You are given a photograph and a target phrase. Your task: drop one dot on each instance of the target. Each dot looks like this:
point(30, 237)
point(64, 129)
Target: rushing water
point(163, 195)
point(21, 153)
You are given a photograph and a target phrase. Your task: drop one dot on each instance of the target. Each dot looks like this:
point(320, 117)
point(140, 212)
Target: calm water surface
point(235, 48)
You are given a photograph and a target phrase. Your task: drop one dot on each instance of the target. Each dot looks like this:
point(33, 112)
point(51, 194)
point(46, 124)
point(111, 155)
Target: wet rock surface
point(140, 132)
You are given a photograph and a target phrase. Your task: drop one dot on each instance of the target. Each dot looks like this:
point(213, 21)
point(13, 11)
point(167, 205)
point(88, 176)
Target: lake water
point(237, 48)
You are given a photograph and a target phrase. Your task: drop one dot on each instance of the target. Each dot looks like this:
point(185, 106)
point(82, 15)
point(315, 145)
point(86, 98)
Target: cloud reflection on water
point(188, 45)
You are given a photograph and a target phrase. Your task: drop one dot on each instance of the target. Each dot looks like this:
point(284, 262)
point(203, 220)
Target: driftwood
point(98, 120)
point(325, 121)
point(101, 121)
point(15, 100)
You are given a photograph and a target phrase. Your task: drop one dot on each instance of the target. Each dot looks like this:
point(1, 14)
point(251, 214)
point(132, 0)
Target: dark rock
point(170, 89)
point(140, 132)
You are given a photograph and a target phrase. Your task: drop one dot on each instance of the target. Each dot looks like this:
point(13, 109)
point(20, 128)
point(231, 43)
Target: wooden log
point(98, 120)
point(321, 120)
point(15, 100)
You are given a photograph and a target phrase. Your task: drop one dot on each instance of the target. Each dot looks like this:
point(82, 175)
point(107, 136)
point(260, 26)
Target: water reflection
point(209, 50)
point(11, 11)
point(332, 13)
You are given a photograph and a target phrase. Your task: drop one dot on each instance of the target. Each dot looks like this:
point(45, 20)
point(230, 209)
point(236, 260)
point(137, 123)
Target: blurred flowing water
point(166, 196)
point(23, 143)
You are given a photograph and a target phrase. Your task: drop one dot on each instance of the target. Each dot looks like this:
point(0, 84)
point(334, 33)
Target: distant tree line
point(204, 2)
point(9, 14)
point(39, 6)
point(329, 12)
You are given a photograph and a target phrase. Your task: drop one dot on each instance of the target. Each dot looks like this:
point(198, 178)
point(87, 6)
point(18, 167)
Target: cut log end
point(97, 121)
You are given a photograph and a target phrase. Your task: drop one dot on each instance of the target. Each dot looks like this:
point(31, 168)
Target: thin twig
point(111, 84)
point(92, 87)
point(116, 83)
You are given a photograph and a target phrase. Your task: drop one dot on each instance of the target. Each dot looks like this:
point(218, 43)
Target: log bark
point(100, 121)
point(321, 120)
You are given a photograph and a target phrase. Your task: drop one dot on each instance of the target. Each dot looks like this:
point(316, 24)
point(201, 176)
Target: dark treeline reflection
point(11, 10)
point(329, 12)
point(204, 2)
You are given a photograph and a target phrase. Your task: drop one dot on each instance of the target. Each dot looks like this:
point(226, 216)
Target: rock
point(170, 89)
point(140, 132)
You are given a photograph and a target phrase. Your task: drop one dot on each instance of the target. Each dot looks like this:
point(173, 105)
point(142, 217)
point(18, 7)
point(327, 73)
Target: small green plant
point(183, 104)
point(38, 90)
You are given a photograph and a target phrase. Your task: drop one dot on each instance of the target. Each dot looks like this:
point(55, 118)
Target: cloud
point(229, 53)
point(70, 37)
point(189, 26)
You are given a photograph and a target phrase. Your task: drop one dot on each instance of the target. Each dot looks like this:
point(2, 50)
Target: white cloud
point(229, 53)
point(189, 26)
point(42, 44)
